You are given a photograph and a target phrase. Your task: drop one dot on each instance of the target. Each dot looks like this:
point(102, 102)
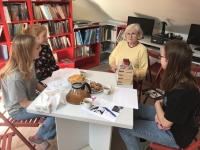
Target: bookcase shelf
point(88, 53)
point(109, 36)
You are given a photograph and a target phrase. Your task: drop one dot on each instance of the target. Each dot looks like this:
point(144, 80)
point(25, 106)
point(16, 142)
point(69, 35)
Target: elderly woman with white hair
point(133, 50)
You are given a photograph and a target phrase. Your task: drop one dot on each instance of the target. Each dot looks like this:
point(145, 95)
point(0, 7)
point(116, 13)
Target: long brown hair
point(20, 57)
point(179, 59)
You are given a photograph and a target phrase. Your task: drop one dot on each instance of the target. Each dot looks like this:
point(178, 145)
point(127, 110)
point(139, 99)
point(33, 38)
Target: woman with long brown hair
point(170, 122)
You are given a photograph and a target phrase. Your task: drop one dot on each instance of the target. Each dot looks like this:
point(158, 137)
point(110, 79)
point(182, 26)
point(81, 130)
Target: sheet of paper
point(104, 109)
point(125, 97)
point(60, 76)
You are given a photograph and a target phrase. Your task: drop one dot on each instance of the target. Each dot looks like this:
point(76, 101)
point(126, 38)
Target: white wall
point(178, 14)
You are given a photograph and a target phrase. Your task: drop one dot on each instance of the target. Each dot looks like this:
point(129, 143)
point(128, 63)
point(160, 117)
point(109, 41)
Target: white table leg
point(100, 136)
point(71, 134)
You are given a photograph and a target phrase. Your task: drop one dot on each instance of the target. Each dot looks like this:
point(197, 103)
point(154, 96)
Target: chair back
point(6, 141)
point(153, 54)
point(6, 122)
point(195, 70)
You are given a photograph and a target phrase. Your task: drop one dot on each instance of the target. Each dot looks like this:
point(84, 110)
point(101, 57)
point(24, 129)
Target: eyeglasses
point(131, 34)
point(159, 56)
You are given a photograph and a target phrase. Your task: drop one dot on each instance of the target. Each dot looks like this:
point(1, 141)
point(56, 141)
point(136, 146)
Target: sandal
point(44, 145)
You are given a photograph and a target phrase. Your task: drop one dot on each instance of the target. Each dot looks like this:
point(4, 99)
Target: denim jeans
point(146, 128)
point(47, 131)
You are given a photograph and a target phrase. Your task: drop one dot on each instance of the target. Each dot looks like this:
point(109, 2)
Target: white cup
point(107, 89)
point(87, 103)
point(83, 73)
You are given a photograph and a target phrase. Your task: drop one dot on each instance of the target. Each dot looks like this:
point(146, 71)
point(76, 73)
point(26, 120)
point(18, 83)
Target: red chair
point(6, 141)
point(155, 67)
point(12, 124)
point(196, 69)
point(193, 146)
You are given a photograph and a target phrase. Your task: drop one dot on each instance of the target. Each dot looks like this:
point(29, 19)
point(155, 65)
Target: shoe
point(41, 121)
point(42, 144)
point(145, 145)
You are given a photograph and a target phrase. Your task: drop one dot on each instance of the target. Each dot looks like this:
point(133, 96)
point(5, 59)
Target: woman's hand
point(113, 67)
point(159, 125)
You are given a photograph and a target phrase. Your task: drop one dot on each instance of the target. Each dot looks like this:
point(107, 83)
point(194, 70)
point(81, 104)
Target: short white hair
point(135, 27)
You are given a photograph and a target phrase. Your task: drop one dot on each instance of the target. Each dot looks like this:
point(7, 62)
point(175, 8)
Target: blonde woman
point(133, 50)
point(45, 65)
point(19, 84)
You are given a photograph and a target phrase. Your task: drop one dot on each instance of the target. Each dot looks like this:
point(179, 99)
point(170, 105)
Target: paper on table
point(104, 109)
point(61, 76)
point(125, 97)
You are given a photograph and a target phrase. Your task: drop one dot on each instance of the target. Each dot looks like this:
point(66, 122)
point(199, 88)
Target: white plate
point(97, 92)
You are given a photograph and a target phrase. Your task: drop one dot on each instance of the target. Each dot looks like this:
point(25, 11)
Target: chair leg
point(145, 100)
point(12, 127)
point(150, 76)
point(140, 91)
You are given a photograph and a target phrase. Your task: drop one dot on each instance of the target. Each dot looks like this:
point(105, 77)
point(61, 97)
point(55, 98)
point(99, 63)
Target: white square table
point(76, 128)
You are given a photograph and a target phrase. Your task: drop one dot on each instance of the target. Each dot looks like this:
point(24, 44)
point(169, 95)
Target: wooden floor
point(117, 142)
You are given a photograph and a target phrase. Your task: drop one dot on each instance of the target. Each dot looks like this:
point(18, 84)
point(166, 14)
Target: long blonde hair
point(20, 57)
point(34, 30)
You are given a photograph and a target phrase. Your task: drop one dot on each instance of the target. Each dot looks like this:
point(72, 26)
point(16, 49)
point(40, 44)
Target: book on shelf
point(17, 11)
point(80, 37)
point(83, 51)
point(50, 11)
point(75, 41)
point(7, 16)
point(4, 52)
point(98, 34)
point(113, 35)
point(55, 57)
point(59, 42)
point(120, 35)
point(15, 29)
point(49, 43)
point(1, 29)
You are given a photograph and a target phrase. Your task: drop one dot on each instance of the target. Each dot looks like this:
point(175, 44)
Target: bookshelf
point(4, 37)
point(87, 46)
point(55, 15)
point(109, 33)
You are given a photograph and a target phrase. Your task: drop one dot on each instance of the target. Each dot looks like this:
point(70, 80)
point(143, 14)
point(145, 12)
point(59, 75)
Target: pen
point(110, 111)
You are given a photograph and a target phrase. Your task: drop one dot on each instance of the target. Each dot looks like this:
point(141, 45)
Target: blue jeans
point(47, 131)
point(146, 128)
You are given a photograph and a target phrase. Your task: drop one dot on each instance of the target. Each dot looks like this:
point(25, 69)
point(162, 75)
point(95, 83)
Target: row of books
point(56, 27)
point(120, 36)
point(107, 34)
point(59, 42)
point(82, 51)
point(15, 11)
point(50, 11)
point(4, 52)
point(15, 29)
point(88, 36)
point(106, 47)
